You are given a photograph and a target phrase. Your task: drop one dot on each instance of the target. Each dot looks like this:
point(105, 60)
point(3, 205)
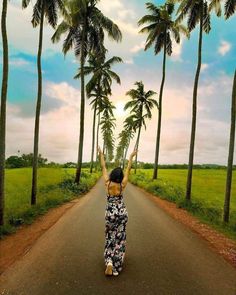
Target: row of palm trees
point(160, 27)
point(84, 27)
point(99, 89)
point(161, 30)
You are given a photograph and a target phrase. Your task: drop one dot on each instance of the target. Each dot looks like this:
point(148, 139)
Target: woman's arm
point(126, 176)
point(103, 165)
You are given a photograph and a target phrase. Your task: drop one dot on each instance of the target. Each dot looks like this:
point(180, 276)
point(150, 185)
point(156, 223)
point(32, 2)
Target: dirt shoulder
point(15, 245)
point(218, 242)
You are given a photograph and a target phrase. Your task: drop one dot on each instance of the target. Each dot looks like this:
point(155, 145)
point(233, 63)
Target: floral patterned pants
point(116, 217)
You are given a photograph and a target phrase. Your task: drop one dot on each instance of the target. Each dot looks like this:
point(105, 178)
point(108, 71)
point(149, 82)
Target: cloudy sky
point(59, 125)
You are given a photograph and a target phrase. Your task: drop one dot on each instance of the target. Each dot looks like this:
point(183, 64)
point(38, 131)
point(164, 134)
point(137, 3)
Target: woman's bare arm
point(103, 165)
point(127, 172)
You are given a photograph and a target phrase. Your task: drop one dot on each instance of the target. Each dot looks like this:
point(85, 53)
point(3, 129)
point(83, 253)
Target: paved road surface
point(162, 257)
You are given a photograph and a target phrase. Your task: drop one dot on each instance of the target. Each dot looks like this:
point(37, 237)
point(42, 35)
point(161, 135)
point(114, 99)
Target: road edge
point(217, 241)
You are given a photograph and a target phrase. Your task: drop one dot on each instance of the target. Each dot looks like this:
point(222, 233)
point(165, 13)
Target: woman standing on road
point(116, 216)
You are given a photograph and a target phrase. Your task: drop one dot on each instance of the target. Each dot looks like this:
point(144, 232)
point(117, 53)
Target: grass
point(208, 190)
point(55, 186)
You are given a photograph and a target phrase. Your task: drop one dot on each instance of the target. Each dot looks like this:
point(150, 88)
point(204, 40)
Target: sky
point(59, 122)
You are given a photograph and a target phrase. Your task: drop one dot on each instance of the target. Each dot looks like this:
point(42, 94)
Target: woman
point(116, 216)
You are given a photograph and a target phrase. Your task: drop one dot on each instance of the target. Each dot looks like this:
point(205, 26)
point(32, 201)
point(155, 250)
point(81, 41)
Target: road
point(162, 256)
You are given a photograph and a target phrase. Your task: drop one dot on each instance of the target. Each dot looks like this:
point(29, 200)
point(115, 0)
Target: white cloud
point(59, 127)
point(177, 50)
point(63, 92)
point(23, 36)
point(224, 47)
point(18, 62)
point(138, 47)
point(109, 6)
point(204, 67)
point(129, 61)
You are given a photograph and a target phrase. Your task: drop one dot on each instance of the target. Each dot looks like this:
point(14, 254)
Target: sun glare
point(119, 111)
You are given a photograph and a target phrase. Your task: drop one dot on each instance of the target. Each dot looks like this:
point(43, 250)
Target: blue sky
point(59, 125)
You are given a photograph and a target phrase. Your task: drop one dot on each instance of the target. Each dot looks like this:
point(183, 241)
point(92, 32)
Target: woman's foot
point(115, 273)
point(108, 271)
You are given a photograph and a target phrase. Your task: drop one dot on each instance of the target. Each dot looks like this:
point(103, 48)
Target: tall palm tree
point(99, 97)
point(230, 7)
point(160, 29)
point(85, 26)
point(231, 154)
point(141, 104)
point(101, 79)
point(3, 110)
point(129, 126)
point(196, 12)
point(107, 128)
point(125, 137)
point(49, 10)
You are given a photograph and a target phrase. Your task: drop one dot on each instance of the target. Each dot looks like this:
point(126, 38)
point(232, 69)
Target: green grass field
point(208, 189)
point(55, 186)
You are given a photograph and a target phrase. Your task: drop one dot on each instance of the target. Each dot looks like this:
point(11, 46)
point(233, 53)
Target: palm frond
point(25, 3)
point(216, 5)
point(206, 24)
point(147, 19)
point(37, 13)
point(230, 8)
point(61, 29)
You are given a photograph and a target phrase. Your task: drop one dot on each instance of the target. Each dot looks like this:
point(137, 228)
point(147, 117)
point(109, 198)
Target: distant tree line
point(26, 160)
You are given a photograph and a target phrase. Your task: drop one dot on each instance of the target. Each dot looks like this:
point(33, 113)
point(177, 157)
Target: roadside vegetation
point(208, 191)
point(56, 186)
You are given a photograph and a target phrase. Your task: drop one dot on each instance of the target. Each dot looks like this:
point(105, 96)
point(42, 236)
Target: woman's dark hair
point(116, 175)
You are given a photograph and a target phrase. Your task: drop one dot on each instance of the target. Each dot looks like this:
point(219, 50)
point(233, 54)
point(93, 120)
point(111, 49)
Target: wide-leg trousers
point(116, 218)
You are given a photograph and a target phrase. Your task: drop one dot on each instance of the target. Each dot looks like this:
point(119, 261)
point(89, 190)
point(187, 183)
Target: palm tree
point(49, 10)
point(99, 96)
point(129, 126)
point(231, 154)
point(230, 7)
point(141, 104)
point(160, 29)
point(3, 110)
point(125, 137)
point(85, 25)
point(101, 79)
point(107, 128)
point(197, 12)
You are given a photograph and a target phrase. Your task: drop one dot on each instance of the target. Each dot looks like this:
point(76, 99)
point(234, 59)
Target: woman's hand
point(134, 153)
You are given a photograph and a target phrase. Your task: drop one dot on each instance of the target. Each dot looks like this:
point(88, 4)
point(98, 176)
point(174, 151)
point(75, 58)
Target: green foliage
point(160, 27)
point(79, 13)
point(56, 186)
point(208, 193)
point(25, 160)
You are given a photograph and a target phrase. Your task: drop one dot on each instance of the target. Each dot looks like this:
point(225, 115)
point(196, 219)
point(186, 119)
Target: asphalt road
point(162, 255)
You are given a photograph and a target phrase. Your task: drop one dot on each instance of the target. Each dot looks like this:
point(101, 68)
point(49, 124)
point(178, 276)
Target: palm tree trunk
point(93, 136)
point(194, 112)
point(137, 144)
point(97, 141)
point(3, 111)
point(155, 172)
point(231, 154)
point(82, 108)
point(37, 115)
